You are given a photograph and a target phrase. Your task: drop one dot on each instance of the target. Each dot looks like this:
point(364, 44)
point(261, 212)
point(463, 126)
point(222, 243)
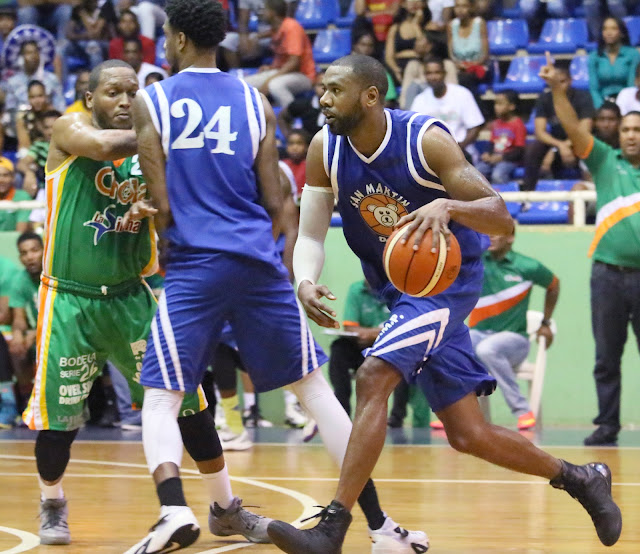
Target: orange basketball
point(421, 272)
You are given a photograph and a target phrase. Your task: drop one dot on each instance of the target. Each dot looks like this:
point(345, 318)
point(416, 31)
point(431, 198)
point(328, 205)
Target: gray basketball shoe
point(235, 520)
point(53, 521)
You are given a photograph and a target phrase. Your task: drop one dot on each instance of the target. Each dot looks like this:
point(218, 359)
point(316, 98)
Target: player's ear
point(182, 40)
point(89, 99)
point(373, 95)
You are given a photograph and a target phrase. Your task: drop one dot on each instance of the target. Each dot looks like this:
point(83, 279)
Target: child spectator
point(297, 146)
point(468, 44)
point(129, 27)
point(508, 137)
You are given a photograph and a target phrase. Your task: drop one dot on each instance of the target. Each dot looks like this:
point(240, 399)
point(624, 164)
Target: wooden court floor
point(464, 504)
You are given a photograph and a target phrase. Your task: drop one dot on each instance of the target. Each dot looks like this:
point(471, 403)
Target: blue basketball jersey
point(375, 192)
point(211, 125)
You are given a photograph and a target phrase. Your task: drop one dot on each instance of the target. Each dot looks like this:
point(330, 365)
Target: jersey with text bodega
point(375, 192)
point(211, 124)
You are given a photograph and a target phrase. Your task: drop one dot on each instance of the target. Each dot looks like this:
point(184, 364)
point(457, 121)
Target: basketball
point(421, 272)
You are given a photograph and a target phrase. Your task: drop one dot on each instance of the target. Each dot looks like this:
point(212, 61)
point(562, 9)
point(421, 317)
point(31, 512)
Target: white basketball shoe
point(393, 539)
point(176, 529)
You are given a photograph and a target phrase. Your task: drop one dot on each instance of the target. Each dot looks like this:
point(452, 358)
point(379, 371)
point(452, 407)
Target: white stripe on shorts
point(304, 330)
point(170, 339)
point(159, 354)
point(441, 316)
point(429, 336)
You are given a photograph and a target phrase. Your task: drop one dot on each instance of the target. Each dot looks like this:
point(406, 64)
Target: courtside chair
point(633, 26)
point(331, 44)
point(522, 75)
point(561, 36)
point(507, 36)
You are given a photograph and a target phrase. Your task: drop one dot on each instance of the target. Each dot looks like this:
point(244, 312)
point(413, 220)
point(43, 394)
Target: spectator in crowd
point(628, 98)
point(307, 109)
point(129, 27)
point(414, 80)
point(297, 145)
point(150, 14)
point(436, 27)
point(594, 12)
point(8, 410)
point(133, 56)
point(12, 220)
point(612, 66)
point(499, 322)
point(32, 165)
point(7, 22)
point(23, 302)
point(53, 16)
point(453, 104)
point(293, 70)
point(364, 44)
point(468, 44)
point(7, 272)
point(88, 33)
point(401, 39)
point(4, 119)
point(555, 137)
point(364, 315)
point(81, 87)
point(508, 138)
point(16, 87)
point(376, 16)
point(27, 129)
point(537, 11)
point(153, 77)
point(615, 274)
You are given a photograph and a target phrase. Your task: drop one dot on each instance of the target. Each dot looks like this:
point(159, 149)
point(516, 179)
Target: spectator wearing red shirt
point(129, 27)
point(297, 146)
point(508, 136)
point(293, 69)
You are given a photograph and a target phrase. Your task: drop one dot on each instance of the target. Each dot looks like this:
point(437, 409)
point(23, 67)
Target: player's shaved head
point(368, 72)
point(96, 72)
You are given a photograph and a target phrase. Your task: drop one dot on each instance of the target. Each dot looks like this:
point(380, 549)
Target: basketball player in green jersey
point(93, 304)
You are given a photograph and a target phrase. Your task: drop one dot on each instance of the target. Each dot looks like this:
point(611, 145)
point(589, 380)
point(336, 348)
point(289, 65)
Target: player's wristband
point(545, 323)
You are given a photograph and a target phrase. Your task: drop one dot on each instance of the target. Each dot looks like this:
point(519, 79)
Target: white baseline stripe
point(28, 540)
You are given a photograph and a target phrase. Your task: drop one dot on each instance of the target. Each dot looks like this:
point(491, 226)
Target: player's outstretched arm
point(267, 171)
point(578, 133)
point(74, 135)
point(473, 202)
point(316, 207)
point(152, 161)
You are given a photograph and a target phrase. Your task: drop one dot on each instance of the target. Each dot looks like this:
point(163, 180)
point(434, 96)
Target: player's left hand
point(139, 210)
point(434, 216)
point(545, 332)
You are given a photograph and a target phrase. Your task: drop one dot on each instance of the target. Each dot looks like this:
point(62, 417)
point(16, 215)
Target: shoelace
point(401, 531)
point(321, 514)
point(54, 518)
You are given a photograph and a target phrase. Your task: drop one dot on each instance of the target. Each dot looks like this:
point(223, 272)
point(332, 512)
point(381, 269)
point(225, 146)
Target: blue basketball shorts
point(427, 341)
point(205, 289)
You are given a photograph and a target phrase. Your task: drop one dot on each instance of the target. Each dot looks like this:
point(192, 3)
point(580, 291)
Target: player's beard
point(344, 125)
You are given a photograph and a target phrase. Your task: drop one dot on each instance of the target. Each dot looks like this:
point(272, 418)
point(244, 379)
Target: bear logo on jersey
point(381, 212)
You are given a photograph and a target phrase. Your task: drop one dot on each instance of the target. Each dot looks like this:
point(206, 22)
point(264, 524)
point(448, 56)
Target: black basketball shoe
point(325, 538)
point(590, 485)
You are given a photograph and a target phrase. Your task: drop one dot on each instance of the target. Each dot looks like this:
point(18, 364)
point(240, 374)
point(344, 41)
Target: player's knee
point(53, 450)
point(485, 351)
point(468, 441)
point(200, 437)
point(375, 379)
point(160, 401)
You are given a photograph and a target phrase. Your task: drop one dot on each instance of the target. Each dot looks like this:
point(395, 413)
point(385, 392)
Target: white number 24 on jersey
point(222, 119)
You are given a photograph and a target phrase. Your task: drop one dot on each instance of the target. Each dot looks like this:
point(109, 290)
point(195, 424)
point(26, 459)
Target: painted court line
point(27, 540)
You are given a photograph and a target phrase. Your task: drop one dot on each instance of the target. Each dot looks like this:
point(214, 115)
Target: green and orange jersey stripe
point(500, 302)
point(614, 212)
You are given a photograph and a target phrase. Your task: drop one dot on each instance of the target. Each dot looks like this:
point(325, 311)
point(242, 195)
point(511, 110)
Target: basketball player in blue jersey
point(206, 144)
point(389, 169)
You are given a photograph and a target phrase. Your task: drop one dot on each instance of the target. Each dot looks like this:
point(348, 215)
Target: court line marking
point(308, 503)
point(28, 540)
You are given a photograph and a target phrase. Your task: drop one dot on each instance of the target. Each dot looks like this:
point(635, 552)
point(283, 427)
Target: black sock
point(368, 501)
point(170, 492)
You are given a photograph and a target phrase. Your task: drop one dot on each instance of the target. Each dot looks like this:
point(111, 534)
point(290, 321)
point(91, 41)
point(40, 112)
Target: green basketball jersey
point(85, 239)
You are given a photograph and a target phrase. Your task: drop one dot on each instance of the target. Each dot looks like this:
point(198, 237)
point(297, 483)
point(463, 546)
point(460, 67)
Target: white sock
point(219, 487)
point(334, 425)
point(48, 492)
point(161, 437)
point(249, 399)
point(289, 398)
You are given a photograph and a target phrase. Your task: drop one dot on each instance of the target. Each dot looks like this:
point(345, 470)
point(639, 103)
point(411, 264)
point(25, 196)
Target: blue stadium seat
point(253, 22)
point(512, 11)
point(331, 44)
point(506, 36)
point(633, 26)
point(76, 63)
point(317, 14)
point(547, 212)
point(579, 69)
point(522, 75)
point(347, 19)
point(513, 207)
point(161, 58)
point(561, 36)
point(70, 88)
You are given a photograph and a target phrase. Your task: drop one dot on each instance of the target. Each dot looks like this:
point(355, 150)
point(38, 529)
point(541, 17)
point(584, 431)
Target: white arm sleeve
point(316, 207)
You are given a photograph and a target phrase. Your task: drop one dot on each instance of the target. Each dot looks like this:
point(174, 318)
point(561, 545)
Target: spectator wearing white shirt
point(132, 54)
point(453, 104)
point(628, 98)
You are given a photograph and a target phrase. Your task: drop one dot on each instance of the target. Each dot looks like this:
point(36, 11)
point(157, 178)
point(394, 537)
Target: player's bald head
point(366, 71)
